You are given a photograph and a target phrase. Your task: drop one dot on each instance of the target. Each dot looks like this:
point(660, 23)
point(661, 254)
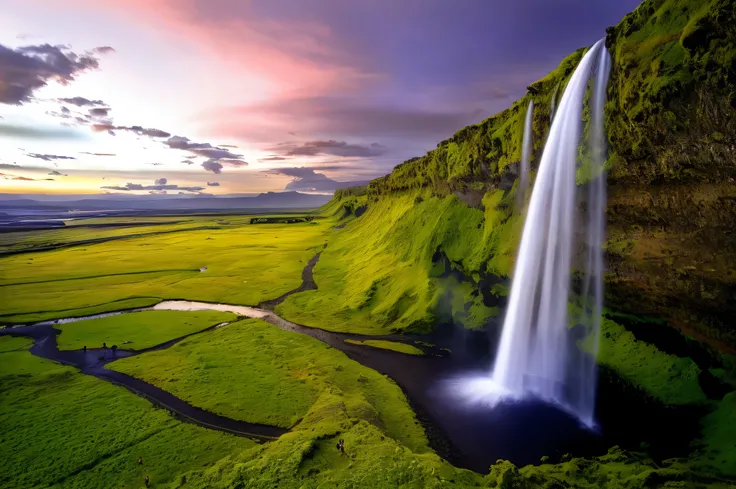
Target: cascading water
point(526, 154)
point(538, 355)
point(592, 290)
point(535, 355)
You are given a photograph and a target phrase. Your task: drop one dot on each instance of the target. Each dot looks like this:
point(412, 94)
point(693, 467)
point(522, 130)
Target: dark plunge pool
point(523, 432)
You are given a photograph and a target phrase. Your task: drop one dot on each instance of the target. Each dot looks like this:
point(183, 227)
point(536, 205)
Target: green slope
point(671, 122)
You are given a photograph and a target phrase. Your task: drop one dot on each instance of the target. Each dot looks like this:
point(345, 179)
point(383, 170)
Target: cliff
point(671, 124)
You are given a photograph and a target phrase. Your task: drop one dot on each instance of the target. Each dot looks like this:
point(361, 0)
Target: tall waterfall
point(537, 354)
point(526, 155)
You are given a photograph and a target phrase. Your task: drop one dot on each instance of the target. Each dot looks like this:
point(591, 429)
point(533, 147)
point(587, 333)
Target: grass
point(255, 372)
point(618, 469)
point(115, 305)
point(719, 433)
point(10, 344)
point(137, 330)
point(378, 273)
point(388, 345)
point(671, 379)
point(245, 265)
point(64, 429)
point(39, 239)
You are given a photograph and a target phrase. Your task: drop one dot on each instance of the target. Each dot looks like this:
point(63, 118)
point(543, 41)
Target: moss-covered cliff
point(671, 123)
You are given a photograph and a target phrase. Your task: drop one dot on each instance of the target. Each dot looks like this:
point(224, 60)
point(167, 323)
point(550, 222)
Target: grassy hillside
point(432, 243)
point(383, 271)
point(671, 123)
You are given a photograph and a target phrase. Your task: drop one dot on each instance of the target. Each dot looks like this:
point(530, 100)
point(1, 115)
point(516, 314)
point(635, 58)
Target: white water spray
point(526, 155)
point(537, 355)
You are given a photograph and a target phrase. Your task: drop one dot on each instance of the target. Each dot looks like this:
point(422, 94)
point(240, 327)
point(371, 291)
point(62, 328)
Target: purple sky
point(264, 91)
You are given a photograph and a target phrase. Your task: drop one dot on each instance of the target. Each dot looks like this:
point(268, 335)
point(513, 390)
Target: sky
point(187, 97)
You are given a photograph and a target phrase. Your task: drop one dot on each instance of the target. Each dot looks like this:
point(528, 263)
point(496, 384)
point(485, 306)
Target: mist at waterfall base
point(539, 357)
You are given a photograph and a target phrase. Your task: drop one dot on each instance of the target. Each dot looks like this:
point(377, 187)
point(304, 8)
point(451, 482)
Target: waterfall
point(537, 355)
point(526, 155)
point(592, 290)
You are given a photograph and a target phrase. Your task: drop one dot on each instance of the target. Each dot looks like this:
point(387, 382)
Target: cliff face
point(671, 123)
point(672, 129)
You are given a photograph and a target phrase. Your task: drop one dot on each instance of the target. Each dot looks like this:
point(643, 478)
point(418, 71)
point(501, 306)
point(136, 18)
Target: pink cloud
point(293, 58)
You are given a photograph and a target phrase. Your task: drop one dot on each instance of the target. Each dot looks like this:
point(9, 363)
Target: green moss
point(670, 379)
point(719, 433)
point(388, 345)
point(618, 469)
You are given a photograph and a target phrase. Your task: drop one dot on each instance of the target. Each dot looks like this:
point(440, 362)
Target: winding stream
point(470, 438)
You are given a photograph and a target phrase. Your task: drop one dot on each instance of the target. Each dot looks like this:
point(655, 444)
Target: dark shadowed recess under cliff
point(671, 125)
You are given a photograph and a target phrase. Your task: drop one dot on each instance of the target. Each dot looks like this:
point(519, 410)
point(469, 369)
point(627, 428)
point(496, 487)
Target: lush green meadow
point(252, 371)
point(246, 264)
point(388, 345)
point(59, 428)
point(137, 330)
point(79, 233)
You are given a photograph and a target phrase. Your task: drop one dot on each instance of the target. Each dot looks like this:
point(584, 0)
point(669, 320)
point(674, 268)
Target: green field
point(388, 345)
point(246, 264)
point(63, 429)
point(255, 372)
point(137, 330)
point(70, 234)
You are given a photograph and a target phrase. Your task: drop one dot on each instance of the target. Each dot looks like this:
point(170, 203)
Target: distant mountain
point(271, 200)
point(320, 183)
